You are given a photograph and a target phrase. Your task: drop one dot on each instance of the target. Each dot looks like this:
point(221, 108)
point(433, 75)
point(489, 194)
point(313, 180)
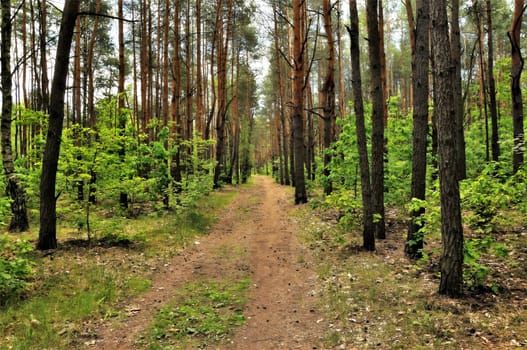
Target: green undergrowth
point(384, 300)
point(64, 290)
point(202, 313)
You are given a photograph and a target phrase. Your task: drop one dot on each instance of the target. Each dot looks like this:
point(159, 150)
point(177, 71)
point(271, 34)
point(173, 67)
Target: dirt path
point(282, 310)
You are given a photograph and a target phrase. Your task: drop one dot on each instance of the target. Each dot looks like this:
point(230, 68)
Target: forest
point(163, 146)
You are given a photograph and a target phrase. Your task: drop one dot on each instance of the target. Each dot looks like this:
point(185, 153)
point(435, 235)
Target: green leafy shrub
point(348, 206)
point(493, 191)
point(5, 210)
point(475, 273)
point(15, 268)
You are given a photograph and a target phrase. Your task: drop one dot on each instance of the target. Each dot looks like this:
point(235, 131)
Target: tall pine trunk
point(298, 102)
point(451, 229)
point(516, 91)
point(122, 115)
point(15, 191)
point(455, 47)
point(368, 230)
point(495, 145)
point(420, 87)
point(47, 238)
point(328, 95)
point(377, 147)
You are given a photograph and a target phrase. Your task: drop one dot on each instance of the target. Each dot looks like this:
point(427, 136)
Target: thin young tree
point(451, 229)
point(368, 229)
point(280, 105)
point(123, 197)
point(495, 145)
point(420, 42)
point(47, 238)
point(19, 220)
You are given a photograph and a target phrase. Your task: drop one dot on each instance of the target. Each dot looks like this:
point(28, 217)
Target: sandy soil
point(255, 235)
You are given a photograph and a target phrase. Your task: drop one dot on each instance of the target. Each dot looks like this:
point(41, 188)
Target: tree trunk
point(48, 215)
point(483, 95)
point(298, 102)
point(199, 74)
point(377, 119)
point(222, 39)
point(175, 165)
point(328, 95)
point(368, 231)
point(145, 62)
point(451, 230)
point(122, 115)
point(384, 76)
point(420, 87)
point(342, 91)
point(492, 87)
point(15, 191)
point(516, 92)
point(44, 55)
point(91, 98)
point(281, 104)
point(455, 38)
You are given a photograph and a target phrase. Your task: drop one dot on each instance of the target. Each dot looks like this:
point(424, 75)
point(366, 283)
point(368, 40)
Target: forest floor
point(247, 269)
point(255, 237)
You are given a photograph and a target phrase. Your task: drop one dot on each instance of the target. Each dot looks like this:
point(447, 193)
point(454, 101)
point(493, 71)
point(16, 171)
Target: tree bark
point(368, 230)
point(199, 74)
point(222, 38)
point(455, 38)
point(495, 146)
point(44, 56)
point(48, 215)
point(451, 229)
point(281, 105)
point(298, 102)
point(15, 191)
point(420, 87)
point(175, 165)
point(516, 92)
point(123, 197)
point(328, 95)
point(377, 146)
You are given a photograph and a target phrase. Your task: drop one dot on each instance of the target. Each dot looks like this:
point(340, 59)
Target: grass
point(202, 312)
point(383, 300)
point(83, 281)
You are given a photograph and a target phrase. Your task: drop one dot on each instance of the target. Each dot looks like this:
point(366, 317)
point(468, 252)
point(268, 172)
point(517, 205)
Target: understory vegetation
point(53, 300)
point(202, 313)
point(386, 300)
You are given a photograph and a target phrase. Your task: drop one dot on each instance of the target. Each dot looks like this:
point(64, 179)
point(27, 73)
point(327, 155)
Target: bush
point(15, 268)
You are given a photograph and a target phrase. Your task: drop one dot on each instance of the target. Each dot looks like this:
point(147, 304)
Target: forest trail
point(254, 236)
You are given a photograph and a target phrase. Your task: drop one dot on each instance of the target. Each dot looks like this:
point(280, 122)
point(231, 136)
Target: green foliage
point(5, 208)
point(16, 268)
point(398, 169)
point(430, 220)
point(203, 312)
point(476, 273)
point(487, 197)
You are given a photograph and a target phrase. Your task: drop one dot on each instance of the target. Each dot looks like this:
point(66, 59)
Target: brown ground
point(255, 235)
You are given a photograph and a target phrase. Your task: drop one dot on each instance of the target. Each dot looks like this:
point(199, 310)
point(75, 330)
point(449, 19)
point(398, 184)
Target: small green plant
point(15, 268)
point(475, 272)
point(202, 313)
